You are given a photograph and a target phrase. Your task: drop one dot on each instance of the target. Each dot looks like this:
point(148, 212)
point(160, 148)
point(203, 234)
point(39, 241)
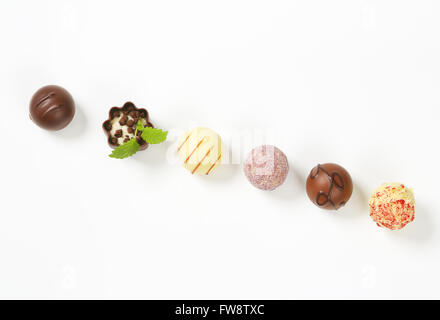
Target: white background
point(351, 82)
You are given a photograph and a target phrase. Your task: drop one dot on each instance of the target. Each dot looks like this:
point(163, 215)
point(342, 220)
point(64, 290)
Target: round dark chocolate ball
point(52, 108)
point(329, 186)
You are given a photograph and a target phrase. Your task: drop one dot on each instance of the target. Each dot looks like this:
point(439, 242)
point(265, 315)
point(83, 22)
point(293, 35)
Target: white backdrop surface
point(351, 82)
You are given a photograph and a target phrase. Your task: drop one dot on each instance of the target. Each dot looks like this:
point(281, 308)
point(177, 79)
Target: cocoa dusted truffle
point(52, 108)
point(121, 125)
point(266, 167)
point(329, 186)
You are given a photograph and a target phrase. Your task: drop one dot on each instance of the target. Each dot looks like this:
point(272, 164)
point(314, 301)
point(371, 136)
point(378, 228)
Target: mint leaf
point(153, 135)
point(126, 149)
point(139, 125)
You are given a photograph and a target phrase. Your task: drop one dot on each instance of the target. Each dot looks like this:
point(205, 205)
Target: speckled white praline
point(116, 126)
point(266, 167)
point(392, 205)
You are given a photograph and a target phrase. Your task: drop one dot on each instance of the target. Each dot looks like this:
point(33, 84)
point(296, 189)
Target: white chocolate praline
point(200, 150)
point(116, 126)
point(266, 167)
point(392, 206)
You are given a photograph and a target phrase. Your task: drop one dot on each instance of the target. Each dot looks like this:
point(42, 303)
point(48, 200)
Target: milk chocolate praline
point(329, 186)
point(52, 108)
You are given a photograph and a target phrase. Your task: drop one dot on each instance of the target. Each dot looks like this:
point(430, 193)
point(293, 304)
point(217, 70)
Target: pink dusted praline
point(266, 167)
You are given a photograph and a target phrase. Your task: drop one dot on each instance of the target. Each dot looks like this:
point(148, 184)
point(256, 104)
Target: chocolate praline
point(120, 126)
point(52, 107)
point(329, 186)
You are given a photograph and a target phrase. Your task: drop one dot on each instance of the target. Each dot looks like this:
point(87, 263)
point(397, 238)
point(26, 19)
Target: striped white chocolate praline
point(200, 150)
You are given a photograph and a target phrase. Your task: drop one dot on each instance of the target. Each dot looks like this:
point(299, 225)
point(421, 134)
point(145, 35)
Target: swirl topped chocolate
point(329, 186)
point(121, 125)
point(52, 108)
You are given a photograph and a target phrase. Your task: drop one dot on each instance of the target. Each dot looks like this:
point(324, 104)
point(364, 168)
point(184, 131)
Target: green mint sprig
point(149, 135)
point(126, 149)
point(153, 135)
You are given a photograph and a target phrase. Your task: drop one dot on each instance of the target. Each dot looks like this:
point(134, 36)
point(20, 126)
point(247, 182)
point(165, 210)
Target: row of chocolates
point(129, 130)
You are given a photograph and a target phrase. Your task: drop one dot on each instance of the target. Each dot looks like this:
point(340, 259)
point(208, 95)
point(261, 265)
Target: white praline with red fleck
point(266, 167)
point(392, 206)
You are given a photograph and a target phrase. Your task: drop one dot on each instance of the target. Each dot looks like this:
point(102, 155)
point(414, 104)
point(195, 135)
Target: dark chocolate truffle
point(329, 186)
point(52, 108)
